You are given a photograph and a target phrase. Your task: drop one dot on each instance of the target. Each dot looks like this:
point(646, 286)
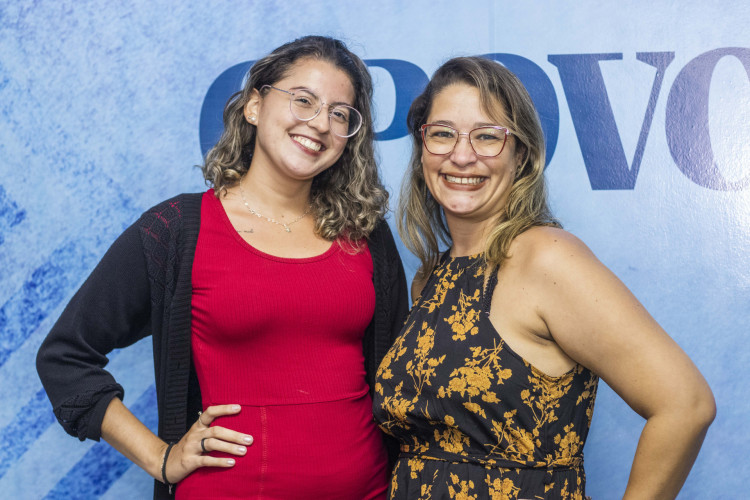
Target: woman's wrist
point(164, 467)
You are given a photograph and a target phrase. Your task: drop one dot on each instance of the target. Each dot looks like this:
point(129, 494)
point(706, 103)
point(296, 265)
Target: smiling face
point(286, 146)
point(467, 186)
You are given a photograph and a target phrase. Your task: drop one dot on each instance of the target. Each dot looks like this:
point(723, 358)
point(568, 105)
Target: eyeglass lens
point(344, 120)
point(486, 141)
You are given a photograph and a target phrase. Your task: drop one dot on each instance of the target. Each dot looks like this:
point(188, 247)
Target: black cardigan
point(143, 286)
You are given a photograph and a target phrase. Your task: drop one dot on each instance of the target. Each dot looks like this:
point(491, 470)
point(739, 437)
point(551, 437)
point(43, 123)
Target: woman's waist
point(289, 396)
point(299, 451)
point(493, 458)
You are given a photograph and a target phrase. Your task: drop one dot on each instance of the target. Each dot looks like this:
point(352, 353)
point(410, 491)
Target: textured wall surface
point(649, 103)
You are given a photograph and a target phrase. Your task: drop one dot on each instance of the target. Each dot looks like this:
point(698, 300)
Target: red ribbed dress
point(283, 338)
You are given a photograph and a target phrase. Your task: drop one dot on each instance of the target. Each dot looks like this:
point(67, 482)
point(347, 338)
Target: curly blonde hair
point(348, 198)
point(420, 219)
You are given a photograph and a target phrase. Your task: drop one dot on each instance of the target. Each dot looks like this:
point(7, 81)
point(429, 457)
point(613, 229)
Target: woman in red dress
point(272, 298)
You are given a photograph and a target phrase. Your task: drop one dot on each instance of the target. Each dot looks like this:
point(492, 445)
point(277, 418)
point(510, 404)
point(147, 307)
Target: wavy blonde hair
point(420, 219)
point(348, 198)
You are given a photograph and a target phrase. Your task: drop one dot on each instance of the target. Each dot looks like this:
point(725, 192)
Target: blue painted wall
point(649, 102)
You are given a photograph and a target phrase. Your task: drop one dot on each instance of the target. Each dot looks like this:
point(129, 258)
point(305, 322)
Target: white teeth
point(315, 146)
point(464, 180)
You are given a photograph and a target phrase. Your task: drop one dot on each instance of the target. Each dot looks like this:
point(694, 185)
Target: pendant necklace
point(270, 219)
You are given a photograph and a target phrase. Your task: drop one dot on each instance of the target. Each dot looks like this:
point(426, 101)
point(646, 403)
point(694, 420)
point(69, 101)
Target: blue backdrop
point(107, 106)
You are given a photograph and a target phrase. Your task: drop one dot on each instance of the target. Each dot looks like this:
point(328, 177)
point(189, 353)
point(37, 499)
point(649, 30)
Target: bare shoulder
point(418, 283)
point(550, 250)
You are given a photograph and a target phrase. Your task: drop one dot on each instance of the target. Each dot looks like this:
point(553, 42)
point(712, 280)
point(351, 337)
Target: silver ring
point(203, 446)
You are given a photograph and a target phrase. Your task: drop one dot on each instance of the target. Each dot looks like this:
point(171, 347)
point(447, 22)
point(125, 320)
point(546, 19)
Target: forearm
point(666, 451)
point(128, 435)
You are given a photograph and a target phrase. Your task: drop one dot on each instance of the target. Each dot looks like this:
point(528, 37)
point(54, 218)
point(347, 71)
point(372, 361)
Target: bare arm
point(595, 319)
point(122, 430)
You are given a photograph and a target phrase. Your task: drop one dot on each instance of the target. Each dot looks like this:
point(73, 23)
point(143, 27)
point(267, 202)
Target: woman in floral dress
point(490, 387)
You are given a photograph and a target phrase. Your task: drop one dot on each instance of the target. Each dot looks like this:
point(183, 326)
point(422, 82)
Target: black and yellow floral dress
point(474, 419)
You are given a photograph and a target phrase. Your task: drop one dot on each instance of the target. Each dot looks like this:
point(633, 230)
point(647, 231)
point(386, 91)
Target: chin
point(462, 211)
point(303, 173)
point(461, 206)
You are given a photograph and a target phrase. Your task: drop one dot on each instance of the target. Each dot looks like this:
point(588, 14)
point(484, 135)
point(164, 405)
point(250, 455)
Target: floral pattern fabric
point(474, 419)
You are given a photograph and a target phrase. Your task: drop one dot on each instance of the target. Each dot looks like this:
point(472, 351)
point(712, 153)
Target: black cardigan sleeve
point(391, 309)
point(110, 310)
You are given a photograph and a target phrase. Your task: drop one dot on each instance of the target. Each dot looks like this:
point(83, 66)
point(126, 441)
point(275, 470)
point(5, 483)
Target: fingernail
point(235, 407)
point(248, 439)
point(241, 449)
point(230, 461)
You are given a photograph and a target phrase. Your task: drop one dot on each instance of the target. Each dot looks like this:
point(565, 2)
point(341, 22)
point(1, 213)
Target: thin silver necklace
point(270, 219)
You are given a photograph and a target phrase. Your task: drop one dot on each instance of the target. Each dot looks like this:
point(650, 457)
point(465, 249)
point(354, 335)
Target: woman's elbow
point(41, 361)
point(705, 408)
point(692, 408)
point(698, 407)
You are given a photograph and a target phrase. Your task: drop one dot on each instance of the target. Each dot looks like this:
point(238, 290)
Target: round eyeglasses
point(485, 141)
point(344, 120)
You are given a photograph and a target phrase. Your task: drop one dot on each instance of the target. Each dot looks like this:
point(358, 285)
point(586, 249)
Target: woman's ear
point(521, 153)
point(252, 108)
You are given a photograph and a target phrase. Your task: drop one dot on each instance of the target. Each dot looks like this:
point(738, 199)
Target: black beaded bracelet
point(164, 468)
